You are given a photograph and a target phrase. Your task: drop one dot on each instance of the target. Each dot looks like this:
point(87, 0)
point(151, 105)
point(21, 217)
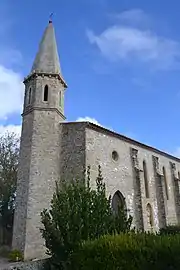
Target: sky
point(120, 59)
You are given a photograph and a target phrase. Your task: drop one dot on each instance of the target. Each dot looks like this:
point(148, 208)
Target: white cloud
point(10, 129)
point(133, 16)
point(11, 92)
point(88, 119)
point(129, 42)
point(10, 57)
point(92, 120)
point(11, 87)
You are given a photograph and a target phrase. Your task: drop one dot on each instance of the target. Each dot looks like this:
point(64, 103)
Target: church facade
point(148, 180)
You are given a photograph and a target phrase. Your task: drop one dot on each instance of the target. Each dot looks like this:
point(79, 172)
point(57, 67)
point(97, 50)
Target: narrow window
point(146, 179)
point(29, 95)
point(179, 175)
point(165, 183)
point(46, 93)
point(60, 99)
point(150, 219)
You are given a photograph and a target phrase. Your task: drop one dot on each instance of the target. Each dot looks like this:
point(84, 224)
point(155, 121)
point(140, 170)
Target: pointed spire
point(47, 59)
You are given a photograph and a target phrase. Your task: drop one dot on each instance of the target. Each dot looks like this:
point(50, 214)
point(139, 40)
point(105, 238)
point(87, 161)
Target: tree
point(79, 213)
point(9, 154)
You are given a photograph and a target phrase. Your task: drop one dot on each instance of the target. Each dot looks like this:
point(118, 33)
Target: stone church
point(146, 178)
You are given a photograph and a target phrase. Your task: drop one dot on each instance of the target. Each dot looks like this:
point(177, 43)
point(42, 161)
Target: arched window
point(118, 202)
point(46, 93)
point(29, 95)
point(165, 183)
point(146, 179)
point(150, 219)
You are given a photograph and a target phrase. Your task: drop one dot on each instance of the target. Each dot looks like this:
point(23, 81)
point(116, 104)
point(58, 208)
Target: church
point(145, 178)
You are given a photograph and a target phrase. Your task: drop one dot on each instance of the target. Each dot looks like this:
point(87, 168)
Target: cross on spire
point(50, 17)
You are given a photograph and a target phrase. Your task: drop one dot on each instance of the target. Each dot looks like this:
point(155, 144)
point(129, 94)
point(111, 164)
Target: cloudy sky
point(120, 59)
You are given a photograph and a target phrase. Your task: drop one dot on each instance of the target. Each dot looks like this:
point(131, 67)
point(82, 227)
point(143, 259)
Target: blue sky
point(120, 59)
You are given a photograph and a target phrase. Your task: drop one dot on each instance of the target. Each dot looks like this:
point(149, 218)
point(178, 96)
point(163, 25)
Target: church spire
point(47, 59)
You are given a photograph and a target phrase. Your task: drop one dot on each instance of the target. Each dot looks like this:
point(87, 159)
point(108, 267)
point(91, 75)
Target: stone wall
point(36, 181)
point(72, 150)
point(126, 175)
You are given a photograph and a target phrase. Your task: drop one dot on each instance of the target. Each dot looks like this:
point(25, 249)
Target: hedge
point(170, 229)
point(129, 252)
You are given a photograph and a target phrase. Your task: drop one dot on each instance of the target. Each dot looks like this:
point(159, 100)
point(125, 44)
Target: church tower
point(39, 148)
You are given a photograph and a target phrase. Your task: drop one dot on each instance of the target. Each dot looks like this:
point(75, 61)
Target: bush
point(15, 256)
point(170, 229)
point(79, 213)
point(129, 252)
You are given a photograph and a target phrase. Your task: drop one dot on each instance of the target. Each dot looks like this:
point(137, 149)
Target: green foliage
point(79, 213)
point(15, 256)
point(128, 251)
point(170, 229)
point(9, 154)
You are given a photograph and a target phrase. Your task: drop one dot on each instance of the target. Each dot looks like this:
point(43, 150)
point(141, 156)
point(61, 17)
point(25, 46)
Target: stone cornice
point(43, 74)
point(31, 109)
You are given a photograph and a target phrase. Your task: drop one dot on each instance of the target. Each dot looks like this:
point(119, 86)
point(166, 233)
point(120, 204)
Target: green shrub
point(79, 213)
point(15, 256)
point(129, 252)
point(170, 229)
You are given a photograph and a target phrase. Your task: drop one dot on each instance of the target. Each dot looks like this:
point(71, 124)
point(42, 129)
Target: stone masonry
point(51, 149)
point(94, 145)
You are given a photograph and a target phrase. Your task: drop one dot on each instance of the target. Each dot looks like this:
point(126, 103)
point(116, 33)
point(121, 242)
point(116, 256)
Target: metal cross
point(50, 16)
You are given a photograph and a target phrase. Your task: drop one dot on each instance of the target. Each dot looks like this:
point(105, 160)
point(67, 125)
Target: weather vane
point(50, 17)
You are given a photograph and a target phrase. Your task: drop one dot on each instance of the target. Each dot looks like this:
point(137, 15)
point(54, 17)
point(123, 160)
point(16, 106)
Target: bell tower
point(39, 147)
